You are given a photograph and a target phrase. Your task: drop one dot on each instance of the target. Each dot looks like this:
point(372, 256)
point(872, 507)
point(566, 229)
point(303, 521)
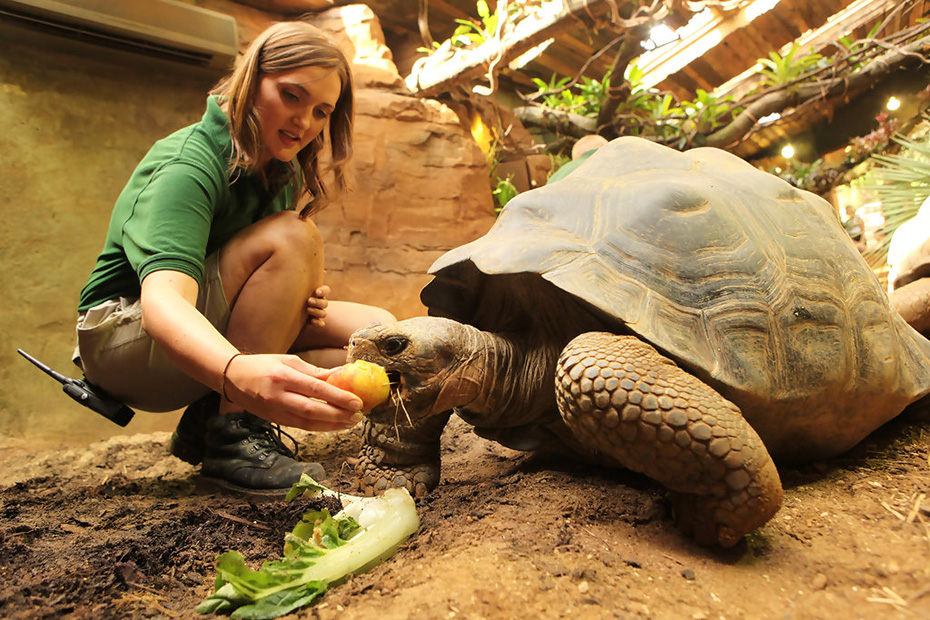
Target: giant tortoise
point(683, 315)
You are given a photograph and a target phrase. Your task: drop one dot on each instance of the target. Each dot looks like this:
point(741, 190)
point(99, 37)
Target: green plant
point(853, 48)
point(876, 140)
point(902, 182)
point(635, 77)
point(641, 97)
point(708, 112)
point(429, 50)
point(807, 175)
point(592, 93)
point(554, 94)
point(665, 116)
point(556, 161)
point(504, 192)
point(473, 32)
point(778, 70)
point(321, 550)
point(558, 94)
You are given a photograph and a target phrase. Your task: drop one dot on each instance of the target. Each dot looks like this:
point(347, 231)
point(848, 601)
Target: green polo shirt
point(179, 206)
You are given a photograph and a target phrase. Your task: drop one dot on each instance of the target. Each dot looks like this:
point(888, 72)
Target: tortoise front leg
point(621, 397)
point(400, 456)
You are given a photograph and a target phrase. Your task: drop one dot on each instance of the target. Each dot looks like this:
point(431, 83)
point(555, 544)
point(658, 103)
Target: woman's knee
point(288, 233)
point(289, 246)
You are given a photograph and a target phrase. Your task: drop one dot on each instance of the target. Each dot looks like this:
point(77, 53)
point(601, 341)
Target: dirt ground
point(115, 530)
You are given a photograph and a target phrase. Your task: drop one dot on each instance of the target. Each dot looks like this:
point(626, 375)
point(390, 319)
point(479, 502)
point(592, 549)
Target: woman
point(208, 277)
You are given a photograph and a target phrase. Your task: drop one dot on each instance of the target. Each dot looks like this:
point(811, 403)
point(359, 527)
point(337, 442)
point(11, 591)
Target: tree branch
point(557, 121)
point(630, 49)
point(849, 85)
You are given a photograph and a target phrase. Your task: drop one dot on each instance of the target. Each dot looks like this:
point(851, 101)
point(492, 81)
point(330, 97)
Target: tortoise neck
point(511, 378)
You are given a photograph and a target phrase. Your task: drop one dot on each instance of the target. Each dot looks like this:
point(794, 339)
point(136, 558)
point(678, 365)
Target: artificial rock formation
point(421, 181)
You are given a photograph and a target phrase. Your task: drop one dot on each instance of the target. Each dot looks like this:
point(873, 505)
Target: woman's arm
point(279, 388)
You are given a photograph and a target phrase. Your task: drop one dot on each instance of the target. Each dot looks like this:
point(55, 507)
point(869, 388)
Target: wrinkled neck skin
point(507, 380)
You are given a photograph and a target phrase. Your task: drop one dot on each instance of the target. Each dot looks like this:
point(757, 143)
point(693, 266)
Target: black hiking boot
point(245, 455)
point(188, 439)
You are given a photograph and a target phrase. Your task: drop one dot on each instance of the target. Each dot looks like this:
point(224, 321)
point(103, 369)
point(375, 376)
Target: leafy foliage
point(474, 32)
point(582, 98)
point(778, 70)
point(819, 176)
point(709, 112)
point(854, 48)
point(640, 110)
point(321, 550)
point(879, 138)
point(504, 192)
point(901, 181)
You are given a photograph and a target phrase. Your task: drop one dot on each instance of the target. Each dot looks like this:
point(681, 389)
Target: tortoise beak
point(363, 345)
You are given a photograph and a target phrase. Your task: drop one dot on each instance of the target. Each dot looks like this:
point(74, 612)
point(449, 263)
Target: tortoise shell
point(742, 279)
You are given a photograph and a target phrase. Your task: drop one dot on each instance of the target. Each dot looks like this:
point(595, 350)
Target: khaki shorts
point(120, 357)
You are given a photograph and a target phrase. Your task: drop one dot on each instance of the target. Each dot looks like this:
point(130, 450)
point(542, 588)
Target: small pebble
point(688, 574)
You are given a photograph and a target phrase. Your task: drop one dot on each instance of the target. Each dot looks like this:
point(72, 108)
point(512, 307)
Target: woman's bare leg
point(269, 270)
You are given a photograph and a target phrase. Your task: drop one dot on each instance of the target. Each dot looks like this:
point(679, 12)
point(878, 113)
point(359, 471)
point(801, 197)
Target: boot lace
point(269, 435)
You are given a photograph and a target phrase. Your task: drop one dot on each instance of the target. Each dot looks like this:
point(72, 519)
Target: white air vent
point(163, 28)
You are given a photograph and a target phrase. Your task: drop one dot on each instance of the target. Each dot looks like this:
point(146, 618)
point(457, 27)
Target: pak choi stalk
point(321, 551)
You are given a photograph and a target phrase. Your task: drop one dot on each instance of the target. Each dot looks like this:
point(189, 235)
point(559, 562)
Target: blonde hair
point(282, 47)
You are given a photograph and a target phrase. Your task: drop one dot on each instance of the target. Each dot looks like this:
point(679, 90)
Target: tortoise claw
point(715, 521)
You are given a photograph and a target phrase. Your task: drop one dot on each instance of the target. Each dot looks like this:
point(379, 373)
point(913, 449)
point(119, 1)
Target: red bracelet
point(225, 370)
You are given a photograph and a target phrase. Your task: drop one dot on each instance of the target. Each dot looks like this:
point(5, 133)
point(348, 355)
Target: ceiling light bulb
point(787, 151)
point(662, 35)
point(893, 103)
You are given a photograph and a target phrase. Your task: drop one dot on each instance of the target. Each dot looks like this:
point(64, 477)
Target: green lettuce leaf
point(320, 551)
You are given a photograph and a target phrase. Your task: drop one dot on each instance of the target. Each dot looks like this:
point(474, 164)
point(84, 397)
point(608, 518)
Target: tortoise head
point(428, 362)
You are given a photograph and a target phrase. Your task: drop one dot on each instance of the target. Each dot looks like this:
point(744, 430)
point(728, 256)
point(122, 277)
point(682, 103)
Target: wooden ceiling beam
point(659, 64)
point(560, 66)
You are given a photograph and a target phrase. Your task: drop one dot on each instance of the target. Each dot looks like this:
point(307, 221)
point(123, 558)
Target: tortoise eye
point(394, 345)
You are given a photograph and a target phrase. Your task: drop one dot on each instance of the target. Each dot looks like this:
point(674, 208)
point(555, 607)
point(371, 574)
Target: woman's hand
point(316, 306)
point(289, 391)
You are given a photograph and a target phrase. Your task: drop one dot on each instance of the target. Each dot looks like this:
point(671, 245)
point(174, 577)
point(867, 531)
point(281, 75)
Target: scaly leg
point(400, 456)
point(622, 398)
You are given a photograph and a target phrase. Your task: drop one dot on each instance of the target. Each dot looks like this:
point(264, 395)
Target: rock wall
point(421, 181)
point(75, 120)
